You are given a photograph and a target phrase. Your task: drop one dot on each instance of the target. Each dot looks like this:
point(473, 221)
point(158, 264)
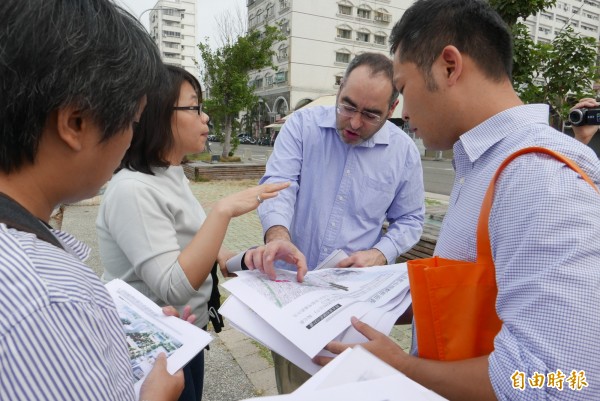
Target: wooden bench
point(424, 248)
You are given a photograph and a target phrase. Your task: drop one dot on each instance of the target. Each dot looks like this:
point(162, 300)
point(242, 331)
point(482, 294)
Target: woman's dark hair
point(153, 136)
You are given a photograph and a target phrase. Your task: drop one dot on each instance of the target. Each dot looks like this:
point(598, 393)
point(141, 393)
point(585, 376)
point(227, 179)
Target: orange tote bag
point(454, 302)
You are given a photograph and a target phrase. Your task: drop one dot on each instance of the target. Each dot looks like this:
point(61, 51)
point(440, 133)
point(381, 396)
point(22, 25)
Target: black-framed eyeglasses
point(349, 111)
point(197, 109)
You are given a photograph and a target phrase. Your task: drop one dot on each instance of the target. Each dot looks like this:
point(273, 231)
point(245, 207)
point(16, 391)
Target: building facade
point(322, 36)
point(582, 15)
point(172, 25)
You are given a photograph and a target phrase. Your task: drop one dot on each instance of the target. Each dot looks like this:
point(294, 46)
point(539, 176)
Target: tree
point(226, 75)
point(552, 73)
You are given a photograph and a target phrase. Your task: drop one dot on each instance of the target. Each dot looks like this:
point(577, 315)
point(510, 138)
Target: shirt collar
point(479, 139)
point(381, 137)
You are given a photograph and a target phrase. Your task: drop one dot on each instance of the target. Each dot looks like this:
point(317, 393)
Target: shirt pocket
point(372, 200)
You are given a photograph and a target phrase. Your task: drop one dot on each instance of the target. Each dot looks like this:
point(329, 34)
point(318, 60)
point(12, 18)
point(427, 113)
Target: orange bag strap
point(484, 247)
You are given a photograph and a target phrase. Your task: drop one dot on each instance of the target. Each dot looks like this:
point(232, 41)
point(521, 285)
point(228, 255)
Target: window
point(545, 29)
point(258, 83)
point(282, 54)
point(281, 76)
point(170, 55)
point(341, 57)
point(172, 34)
point(344, 10)
point(588, 28)
point(382, 15)
point(172, 45)
point(363, 13)
point(269, 80)
point(284, 5)
point(362, 36)
point(284, 26)
point(269, 11)
point(379, 39)
point(338, 79)
point(344, 33)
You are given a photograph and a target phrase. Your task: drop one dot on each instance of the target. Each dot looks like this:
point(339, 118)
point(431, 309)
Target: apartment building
point(582, 15)
point(322, 36)
point(172, 25)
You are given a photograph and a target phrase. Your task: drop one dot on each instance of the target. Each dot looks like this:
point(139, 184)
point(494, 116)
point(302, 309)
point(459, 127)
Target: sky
point(206, 11)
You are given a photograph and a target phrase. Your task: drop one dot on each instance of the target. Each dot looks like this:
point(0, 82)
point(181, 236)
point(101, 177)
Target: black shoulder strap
point(16, 216)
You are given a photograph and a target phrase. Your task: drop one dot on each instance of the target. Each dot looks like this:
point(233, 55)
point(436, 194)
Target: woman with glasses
point(152, 231)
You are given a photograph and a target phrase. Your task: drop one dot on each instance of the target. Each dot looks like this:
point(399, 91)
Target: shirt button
point(341, 198)
point(347, 172)
point(325, 249)
point(462, 180)
point(332, 224)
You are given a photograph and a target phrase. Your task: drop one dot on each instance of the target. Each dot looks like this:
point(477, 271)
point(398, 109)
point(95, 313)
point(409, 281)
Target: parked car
point(246, 139)
point(213, 138)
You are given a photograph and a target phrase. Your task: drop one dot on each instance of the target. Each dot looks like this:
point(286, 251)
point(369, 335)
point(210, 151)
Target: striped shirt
point(545, 236)
point(60, 334)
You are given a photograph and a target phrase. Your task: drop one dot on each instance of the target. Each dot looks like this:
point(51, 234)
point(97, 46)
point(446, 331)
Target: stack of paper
point(297, 320)
point(357, 375)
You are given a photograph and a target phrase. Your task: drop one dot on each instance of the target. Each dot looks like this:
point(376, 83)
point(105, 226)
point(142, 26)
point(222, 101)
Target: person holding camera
point(583, 131)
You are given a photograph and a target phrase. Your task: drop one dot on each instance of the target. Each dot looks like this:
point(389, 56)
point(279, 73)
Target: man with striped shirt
point(453, 64)
point(73, 79)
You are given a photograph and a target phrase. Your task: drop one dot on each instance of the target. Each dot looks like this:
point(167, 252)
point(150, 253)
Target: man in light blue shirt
point(544, 223)
point(350, 170)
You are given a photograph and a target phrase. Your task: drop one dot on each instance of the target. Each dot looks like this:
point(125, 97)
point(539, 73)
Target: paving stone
point(253, 363)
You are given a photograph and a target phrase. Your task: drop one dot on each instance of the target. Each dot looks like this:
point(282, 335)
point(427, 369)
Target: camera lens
point(576, 117)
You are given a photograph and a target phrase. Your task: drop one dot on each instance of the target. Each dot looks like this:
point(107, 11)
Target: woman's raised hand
point(245, 201)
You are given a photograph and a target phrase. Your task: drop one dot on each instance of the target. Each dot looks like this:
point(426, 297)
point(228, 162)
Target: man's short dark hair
point(90, 54)
point(378, 63)
point(472, 26)
point(153, 136)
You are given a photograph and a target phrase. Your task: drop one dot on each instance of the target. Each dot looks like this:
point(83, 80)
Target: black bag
point(214, 303)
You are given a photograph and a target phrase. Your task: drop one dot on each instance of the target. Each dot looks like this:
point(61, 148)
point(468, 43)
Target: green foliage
point(512, 10)
point(226, 75)
point(553, 73)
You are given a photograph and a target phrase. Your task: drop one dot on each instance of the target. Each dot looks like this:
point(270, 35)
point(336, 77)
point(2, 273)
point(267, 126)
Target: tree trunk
point(227, 137)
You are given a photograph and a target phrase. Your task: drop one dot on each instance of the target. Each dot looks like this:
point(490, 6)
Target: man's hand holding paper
point(263, 257)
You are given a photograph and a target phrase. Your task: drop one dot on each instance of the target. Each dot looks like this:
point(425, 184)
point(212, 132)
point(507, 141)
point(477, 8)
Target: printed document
point(357, 375)
point(312, 313)
point(149, 332)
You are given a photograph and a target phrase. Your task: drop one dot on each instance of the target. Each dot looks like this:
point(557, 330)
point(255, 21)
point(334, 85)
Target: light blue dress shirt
point(341, 194)
point(545, 236)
